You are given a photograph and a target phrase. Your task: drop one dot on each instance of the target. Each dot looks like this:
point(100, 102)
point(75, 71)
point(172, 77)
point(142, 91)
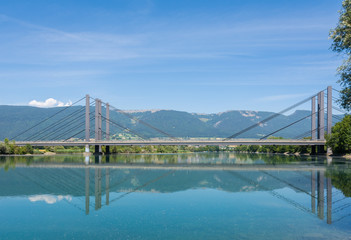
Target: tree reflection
point(341, 179)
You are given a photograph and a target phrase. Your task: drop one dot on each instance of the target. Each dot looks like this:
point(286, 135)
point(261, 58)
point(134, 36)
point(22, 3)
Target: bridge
point(84, 127)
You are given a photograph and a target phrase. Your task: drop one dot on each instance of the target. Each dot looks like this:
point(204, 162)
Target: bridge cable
point(70, 123)
point(289, 125)
point(270, 118)
point(47, 118)
point(305, 134)
point(143, 185)
point(75, 133)
point(337, 117)
point(125, 128)
point(76, 126)
point(53, 128)
point(272, 192)
point(57, 123)
point(340, 110)
point(144, 123)
point(141, 121)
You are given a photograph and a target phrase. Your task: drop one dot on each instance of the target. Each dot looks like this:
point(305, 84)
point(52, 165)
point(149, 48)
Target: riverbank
point(10, 149)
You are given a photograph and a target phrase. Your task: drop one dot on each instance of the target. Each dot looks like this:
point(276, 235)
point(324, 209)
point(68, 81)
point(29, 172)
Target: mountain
point(69, 122)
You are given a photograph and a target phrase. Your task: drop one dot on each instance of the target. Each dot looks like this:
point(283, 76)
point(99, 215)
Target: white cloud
point(46, 198)
point(49, 199)
point(50, 102)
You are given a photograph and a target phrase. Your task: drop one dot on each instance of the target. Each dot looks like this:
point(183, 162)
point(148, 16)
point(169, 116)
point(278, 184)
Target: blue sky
point(197, 56)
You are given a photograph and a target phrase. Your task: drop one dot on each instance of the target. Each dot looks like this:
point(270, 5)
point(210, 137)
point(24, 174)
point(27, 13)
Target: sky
point(200, 56)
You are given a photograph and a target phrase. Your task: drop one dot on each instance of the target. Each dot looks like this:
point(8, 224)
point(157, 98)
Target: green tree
point(29, 149)
point(341, 36)
point(340, 138)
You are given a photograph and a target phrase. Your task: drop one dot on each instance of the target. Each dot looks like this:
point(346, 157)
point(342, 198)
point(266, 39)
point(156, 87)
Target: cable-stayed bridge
point(92, 125)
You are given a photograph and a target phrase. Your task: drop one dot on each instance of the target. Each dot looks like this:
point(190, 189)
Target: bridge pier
point(87, 148)
point(320, 150)
point(97, 150)
point(313, 150)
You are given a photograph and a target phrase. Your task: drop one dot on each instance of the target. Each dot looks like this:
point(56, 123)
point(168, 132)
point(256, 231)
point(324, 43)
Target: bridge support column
point(100, 126)
point(329, 109)
point(313, 124)
point(313, 150)
point(320, 132)
point(97, 126)
point(329, 113)
point(87, 123)
point(96, 151)
point(100, 121)
point(87, 118)
point(87, 148)
point(313, 118)
point(107, 127)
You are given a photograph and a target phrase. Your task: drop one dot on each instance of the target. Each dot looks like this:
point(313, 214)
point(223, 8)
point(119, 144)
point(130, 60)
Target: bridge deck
point(178, 142)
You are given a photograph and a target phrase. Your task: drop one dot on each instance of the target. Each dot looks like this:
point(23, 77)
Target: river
point(175, 196)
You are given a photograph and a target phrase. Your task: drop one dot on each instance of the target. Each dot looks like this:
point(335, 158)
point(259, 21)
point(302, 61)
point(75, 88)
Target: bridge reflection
point(100, 181)
point(317, 190)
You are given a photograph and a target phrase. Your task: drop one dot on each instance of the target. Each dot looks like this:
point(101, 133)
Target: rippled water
point(175, 196)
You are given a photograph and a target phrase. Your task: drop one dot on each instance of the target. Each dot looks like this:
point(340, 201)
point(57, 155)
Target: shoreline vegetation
point(11, 149)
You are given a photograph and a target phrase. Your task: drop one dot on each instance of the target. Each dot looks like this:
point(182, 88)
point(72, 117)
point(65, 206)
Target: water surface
point(175, 196)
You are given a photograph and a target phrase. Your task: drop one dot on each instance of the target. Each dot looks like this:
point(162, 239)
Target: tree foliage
point(8, 147)
point(341, 36)
point(340, 138)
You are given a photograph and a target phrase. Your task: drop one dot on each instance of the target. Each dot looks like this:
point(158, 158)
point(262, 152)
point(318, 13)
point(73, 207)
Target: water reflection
point(316, 186)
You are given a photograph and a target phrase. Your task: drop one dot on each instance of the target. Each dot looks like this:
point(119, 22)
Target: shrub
point(340, 138)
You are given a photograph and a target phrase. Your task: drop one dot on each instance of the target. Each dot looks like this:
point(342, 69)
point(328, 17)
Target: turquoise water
point(175, 196)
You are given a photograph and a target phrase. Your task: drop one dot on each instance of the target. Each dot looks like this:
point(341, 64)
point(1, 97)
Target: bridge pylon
point(87, 122)
point(318, 117)
point(98, 125)
point(107, 127)
point(98, 133)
